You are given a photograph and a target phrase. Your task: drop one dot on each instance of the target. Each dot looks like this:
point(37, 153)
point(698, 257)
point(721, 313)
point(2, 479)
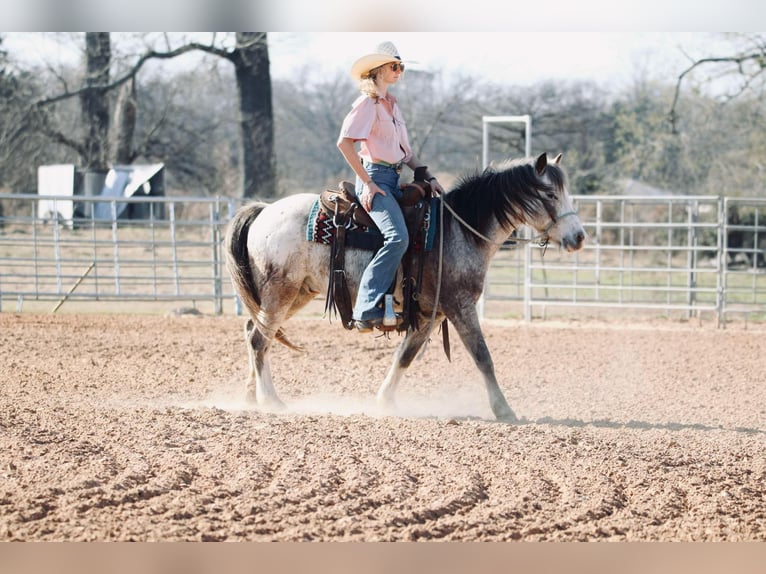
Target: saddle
point(343, 206)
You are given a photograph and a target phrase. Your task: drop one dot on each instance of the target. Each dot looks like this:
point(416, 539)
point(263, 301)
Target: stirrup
point(395, 327)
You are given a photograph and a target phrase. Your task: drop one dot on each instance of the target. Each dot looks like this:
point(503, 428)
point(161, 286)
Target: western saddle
point(343, 206)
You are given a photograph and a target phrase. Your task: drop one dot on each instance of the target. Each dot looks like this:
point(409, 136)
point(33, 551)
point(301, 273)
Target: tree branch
point(131, 73)
point(758, 57)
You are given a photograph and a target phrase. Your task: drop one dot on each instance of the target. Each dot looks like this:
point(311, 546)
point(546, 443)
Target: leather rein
point(541, 239)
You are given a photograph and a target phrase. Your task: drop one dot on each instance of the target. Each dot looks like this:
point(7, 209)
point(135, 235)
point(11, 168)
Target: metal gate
point(172, 253)
point(669, 255)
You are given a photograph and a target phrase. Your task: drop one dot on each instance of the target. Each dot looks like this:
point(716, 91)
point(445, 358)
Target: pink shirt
point(383, 136)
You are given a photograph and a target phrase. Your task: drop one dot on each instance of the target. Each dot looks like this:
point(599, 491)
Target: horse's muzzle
point(574, 241)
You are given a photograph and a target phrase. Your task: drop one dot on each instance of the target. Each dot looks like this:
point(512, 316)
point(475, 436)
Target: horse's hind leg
point(250, 386)
point(260, 385)
point(306, 293)
point(403, 357)
point(259, 336)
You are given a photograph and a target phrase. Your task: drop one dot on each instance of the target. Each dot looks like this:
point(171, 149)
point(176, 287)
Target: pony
point(276, 271)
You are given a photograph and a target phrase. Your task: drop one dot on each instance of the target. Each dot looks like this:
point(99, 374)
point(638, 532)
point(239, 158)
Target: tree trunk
point(251, 63)
point(125, 124)
point(94, 103)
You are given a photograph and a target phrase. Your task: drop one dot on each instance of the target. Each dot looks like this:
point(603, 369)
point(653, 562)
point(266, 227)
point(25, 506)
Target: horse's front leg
point(403, 357)
point(466, 322)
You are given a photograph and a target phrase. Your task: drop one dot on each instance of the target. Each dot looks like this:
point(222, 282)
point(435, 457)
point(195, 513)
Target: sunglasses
point(396, 66)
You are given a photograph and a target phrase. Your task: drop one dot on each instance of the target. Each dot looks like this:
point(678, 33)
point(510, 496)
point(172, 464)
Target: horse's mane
point(508, 193)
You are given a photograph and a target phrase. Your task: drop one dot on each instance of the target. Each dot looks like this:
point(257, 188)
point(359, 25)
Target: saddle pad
point(321, 229)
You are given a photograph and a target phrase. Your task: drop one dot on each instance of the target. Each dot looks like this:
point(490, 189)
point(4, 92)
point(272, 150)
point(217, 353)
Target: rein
point(541, 239)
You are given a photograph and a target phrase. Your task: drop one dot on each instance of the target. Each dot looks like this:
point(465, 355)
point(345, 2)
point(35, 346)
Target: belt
point(397, 167)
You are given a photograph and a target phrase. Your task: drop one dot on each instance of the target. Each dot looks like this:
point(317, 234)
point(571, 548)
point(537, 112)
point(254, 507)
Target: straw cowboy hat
point(381, 54)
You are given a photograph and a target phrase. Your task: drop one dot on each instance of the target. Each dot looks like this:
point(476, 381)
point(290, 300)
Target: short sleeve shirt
point(382, 134)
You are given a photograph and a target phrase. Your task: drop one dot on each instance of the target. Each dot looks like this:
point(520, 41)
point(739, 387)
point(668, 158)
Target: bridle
point(541, 239)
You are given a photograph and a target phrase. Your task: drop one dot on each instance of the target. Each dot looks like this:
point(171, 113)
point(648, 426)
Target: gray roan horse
point(276, 270)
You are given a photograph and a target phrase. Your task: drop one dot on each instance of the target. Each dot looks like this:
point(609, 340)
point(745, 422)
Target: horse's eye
point(551, 195)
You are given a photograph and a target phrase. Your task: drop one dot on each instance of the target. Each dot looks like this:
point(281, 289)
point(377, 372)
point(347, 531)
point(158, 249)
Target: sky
point(610, 59)
point(518, 58)
point(503, 41)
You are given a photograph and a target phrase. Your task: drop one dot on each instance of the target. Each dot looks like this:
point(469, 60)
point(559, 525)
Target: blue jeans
point(381, 271)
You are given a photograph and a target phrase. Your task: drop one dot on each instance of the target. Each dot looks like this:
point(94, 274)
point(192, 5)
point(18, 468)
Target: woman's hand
point(436, 187)
point(368, 194)
point(421, 173)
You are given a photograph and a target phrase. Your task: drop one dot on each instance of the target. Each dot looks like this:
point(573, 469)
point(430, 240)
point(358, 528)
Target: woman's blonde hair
point(367, 83)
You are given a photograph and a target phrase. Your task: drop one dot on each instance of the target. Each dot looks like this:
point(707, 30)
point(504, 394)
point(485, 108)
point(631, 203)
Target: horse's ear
point(557, 159)
point(541, 163)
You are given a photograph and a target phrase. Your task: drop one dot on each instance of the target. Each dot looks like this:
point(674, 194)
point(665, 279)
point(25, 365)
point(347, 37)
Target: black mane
point(510, 192)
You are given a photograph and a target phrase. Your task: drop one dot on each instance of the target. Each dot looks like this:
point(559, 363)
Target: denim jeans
point(381, 271)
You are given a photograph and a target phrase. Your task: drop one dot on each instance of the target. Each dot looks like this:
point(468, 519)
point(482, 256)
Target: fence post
point(722, 244)
point(237, 300)
point(599, 219)
point(527, 277)
point(691, 258)
point(174, 245)
point(116, 247)
point(525, 119)
point(216, 239)
point(57, 253)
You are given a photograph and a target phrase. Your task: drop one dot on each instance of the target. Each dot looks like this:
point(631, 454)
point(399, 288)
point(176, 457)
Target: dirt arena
point(118, 428)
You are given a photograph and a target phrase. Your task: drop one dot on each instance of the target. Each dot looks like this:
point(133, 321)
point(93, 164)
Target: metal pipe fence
point(172, 253)
point(669, 255)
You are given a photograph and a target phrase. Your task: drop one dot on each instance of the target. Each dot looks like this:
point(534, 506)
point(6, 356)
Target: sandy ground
point(117, 428)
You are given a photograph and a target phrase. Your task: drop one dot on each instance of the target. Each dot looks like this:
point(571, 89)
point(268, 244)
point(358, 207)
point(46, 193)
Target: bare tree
point(192, 129)
point(748, 64)
point(94, 103)
point(251, 63)
point(250, 57)
point(125, 124)
point(21, 145)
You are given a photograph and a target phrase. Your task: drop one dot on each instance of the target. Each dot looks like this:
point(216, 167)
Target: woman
point(376, 122)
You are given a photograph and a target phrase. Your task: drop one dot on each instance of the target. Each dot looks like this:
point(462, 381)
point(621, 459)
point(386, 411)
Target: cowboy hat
point(382, 54)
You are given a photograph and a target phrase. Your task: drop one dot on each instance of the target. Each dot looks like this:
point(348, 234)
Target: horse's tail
point(238, 263)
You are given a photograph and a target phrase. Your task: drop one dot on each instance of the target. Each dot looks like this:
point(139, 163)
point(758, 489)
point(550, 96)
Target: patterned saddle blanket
point(320, 228)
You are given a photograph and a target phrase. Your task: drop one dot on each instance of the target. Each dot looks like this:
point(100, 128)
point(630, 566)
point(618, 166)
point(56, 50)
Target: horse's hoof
point(509, 419)
point(503, 413)
point(386, 406)
point(273, 405)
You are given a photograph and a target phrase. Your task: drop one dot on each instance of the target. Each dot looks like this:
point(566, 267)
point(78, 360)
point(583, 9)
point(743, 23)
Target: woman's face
point(391, 72)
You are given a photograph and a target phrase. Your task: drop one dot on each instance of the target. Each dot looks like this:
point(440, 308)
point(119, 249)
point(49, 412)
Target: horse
point(276, 271)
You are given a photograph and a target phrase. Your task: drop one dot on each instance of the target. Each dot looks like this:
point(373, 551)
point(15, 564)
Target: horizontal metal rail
point(673, 254)
point(655, 253)
point(173, 254)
